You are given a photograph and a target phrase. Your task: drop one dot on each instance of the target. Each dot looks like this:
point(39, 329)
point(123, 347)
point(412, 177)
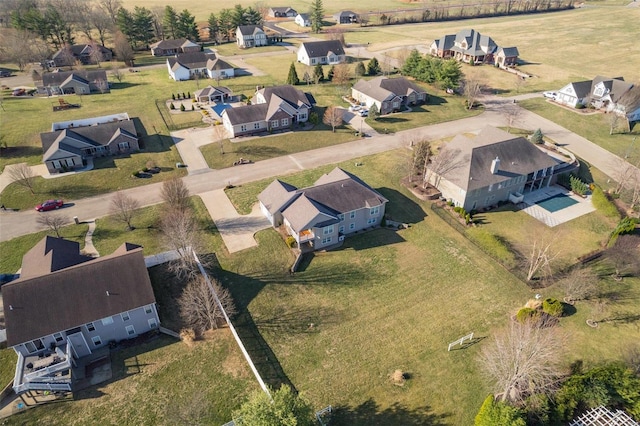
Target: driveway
point(188, 143)
point(237, 231)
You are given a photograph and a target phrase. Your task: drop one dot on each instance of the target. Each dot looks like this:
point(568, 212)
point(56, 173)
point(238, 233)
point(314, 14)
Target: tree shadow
point(123, 85)
point(369, 413)
point(20, 151)
point(391, 120)
point(379, 237)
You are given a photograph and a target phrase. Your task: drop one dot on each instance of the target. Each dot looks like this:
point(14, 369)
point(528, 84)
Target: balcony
point(306, 235)
point(48, 371)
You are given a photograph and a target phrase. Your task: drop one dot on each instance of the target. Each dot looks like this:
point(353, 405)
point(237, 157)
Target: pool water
point(557, 202)
point(218, 108)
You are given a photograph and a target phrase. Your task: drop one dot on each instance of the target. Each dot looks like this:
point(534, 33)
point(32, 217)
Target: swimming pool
point(557, 202)
point(218, 108)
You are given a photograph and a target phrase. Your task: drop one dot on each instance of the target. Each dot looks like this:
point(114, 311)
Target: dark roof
point(616, 87)
point(171, 43)
point(509, 51)
point(276, 195)
point(582, 88)
point(218, 64)
point(249, 29)
point(284, 9)
point(50, 255)
point(40, 305)
point(383, 88)
point(210, 90)
point(247, 113)
point(192, 60)
point(304, 16)
point(316, 49)
point(347, 13)
point(446, 42)
point(473, 158)
point(99, 134)
point(81, 49)
point(57, 78)
point(287, 93)
point(475, 43)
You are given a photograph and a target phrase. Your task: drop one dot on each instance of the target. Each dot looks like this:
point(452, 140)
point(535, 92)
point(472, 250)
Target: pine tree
point(412, 64)
point(170, 22)
point(213, 26)
point(537, 136)
point(292, 78)
point(374, 67)
point(331, 72)
point(316, 16)
point(318, 73)
point(373, 112)
point(360, 70)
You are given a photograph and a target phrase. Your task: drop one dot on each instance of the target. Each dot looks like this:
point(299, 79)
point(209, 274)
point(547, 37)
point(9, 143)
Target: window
point(107, 320)
point(490, 187)
point(341, 216)
point(58, 337)
point(375, 210)
point(125, 316)
point(326, 240)
point(352, 215)
point(302, 117)
point(341, 229)
point(352, 226)
point(91, 327)
point(285, 121)
point(97, 341)
point(152, 323)
point(30, 347)
point(148, 309)
point(123, 145)
point(274, 123)
point(313, 61)
point(130, 330)
point(243, 128)
point(256, 125)
point(327, 230)
point(371, 221)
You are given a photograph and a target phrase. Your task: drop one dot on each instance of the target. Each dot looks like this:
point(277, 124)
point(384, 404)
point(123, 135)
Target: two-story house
point(251, 36)
point(327, 52)
point(65, 306)
point(472, 47)
point(320, 216)
point(490, 167)
point(388, 94)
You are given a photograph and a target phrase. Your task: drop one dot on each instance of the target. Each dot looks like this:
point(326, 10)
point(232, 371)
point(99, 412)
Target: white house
point(303, 20)
point(601, 92)
point(217, 68)
point(251, 36)
point(327, 52)
point(184, 66)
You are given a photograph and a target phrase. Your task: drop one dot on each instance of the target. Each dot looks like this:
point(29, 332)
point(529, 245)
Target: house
point(81, 82)
point(303, 20)
point(474, 48)
point(346, 17)
point(67, 306)
point(601, 93)
point(271, 109)
point(184, 66)
point(213, 94)
point(70, 145)
point(82, 53)
point(336, 205)
point(628, 105)
point(282, 12)
point(490, 167)
point(388, 94)
point(217, 69)
point(172, 47)
point(251, 36)
point(326, 52)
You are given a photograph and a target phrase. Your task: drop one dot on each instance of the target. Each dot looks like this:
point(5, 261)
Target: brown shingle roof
point(38, 306)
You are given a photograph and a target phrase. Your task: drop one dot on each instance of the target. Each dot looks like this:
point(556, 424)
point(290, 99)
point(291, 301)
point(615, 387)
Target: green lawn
point(231, 49)
point(593, 127)
point(8, 360)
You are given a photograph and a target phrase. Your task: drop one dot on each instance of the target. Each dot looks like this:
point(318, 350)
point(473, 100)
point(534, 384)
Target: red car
point(49, 205)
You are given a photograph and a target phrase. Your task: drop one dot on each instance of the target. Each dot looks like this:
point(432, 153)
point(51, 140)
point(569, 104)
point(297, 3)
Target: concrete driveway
point(237, 231)
point(188, 142)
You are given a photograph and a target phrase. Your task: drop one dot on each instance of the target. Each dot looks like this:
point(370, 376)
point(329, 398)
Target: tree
point(238, 15)
point(420, 158)
point(124, 208)
point(445, 162)
point(23, 175)
point(117, 74)
point(199, 309)
point(219, 136)
point(286, 408)
point(333, 117)
point(523, 360)
point(579, 284)
point(624, 255)
point(537, 137)
point(53, 221)
point(175, 194)
point(180, 233)
point(373, 67)
point(170, 22)
point(497, 413)
point(318, 73)
point(614, 121)
point(213, 27)
point(472, 89)
point(360, 70)
point(317, 12)
point(101, 22)
point(143, 26)
point(341, 76)
point(374, 113)
point(122, 49)
point(225, 23)
point(95, 54)
point(332, 71)
point(449, 74)
point(187, 27)
point(626, 174)
point(252, 16)
point(541, 256)
point(412, 63)
point(124, 22)
point(111, 8)
point(292, 78)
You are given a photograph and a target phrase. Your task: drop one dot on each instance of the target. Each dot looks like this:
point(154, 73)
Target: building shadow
point(401, 208)
point(369, 413)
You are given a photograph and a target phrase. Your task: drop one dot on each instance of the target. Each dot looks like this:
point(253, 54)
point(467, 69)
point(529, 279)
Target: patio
point(579, 206)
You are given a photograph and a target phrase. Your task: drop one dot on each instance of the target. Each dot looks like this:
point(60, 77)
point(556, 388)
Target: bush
point(625, 226)
point(494, 413)
point(552, 307)
point(173, 96)
point(189, 95)
point(492, 245)
point(537, 137)
point(182, 108)
point(527, 314)
point(291, 242)
point(188, 336)
point(603, 204)
point(578, 186)
point(314, 118)
point(467, 218)
point(192, 108)
point(172, 106)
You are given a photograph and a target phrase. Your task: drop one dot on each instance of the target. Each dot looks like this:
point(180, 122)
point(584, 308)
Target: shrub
point(151, 164)
point(578, 186)
point(291, 242)
point(182, 108)
point(172, 106)
point(192, 108)
point(603, 204)
point(537, 137)
point(188, 336)
point(492, 245)
point(494, 413)
point(457, 209)
point(625, 226)
point(552, 307)
point(314, 118)
point(183, 96)
point(189, 95)
point(173, 96)
point(467, 218)
point(526, 314)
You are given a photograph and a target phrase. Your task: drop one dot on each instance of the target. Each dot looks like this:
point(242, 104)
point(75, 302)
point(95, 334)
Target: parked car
point(49, 205)
point(354, 108)
point(364, 113)
point(19, 92)
point(4, 73)
point(550, 95)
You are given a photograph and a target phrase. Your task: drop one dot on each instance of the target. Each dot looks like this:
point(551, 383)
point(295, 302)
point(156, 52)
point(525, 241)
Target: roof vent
point(107, 293)
point(495, 166)
point(11, 307)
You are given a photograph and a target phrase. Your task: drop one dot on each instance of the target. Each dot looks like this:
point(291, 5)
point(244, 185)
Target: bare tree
point(23, 175)
point(176, 194)
point(523, 360)
point(624, 256)
point(626, 174)
point(635, 191)
point(445, 162)
point(122, 49)
point(614, 121)
point(54, 222)
point(124, 208)
point(540, 258)
point(198, 306)
point(96, 53)
point(180, 233)
point(472, 89)
point(579, 284)
point(111, 8)
point(420, 159)
point(21, 47)
point(102, 23)
point(66, 57)
point(341, 75)
point(219, 136)
point(117, 74)
point(512, 113)
point(628, 102)
point(333, 117)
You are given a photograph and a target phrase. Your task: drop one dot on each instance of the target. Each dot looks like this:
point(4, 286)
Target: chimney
point(495, 166)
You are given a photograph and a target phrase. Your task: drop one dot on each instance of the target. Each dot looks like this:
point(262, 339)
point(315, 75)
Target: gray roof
point(582, 88)
point(218, 64)
point(305, 212)
point(246, 30)
point(616, 86)
point(284, 9)
point(191, 60)
point(304, 16)
point(173, 43)
point(50, 255)
point(509, 51)
point(247, 113)
point(57, 78)
point(470, 167)
point(287, 93)
point(276, 195)
point(446, 42)
point(210, 90)
point(385, 88)
point(343, 13)
point(477, 44)
point(81, 49)
point(317, 49)
point(37, 306)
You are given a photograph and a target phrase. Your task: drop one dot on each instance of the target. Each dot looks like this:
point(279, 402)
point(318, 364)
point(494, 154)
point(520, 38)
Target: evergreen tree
point(537, 136)
point(494, 413)
point(450, 74)
point(411, 65)
point(373, 68)
point(226, 23)
point(317, 11)
point(187, 27)
point(237, 15)
point(318, 73)
point(292, 78)
point(374, 113)
point(125, 24)
point(143, 26)
point(360, 70)
point(213, 27)
point(331, 72)
point(170, 22)
point(252, 16)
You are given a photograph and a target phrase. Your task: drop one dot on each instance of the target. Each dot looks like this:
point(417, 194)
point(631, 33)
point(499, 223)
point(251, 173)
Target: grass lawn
point(593, 127)
point(231, 49)
point(13, 250)
point(262, 148)
point(8, 360)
